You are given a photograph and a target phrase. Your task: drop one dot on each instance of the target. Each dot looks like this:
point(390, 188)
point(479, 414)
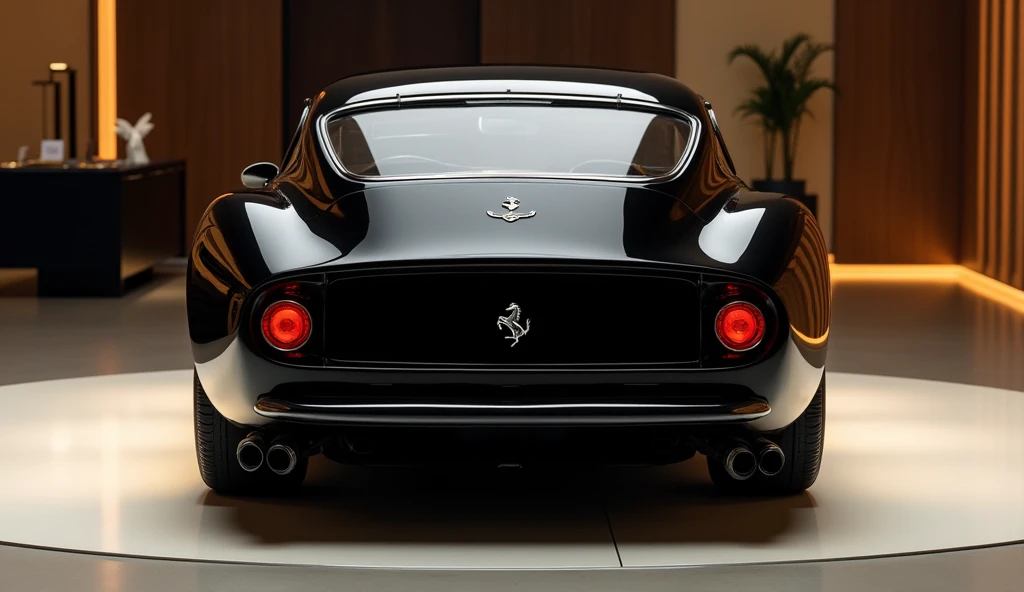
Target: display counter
point(91, 231)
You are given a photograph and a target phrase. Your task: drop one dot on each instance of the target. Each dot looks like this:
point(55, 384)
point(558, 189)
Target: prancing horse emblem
point(511, 204)
point(512, 322)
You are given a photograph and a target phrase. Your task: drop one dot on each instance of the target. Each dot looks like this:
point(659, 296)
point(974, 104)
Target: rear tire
point(802, 442)
point(216, 443)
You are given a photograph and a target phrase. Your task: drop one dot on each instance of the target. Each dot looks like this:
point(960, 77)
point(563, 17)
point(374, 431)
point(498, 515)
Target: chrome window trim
point(711, 114)
point(307, 106)
point(501, 98)
point(718, 135)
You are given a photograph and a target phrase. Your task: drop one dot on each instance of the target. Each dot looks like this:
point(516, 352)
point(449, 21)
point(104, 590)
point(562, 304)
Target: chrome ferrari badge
point(512, 322)
point(511, 204)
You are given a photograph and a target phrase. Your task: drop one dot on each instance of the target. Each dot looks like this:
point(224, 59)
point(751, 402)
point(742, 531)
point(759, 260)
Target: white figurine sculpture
point(135, 151)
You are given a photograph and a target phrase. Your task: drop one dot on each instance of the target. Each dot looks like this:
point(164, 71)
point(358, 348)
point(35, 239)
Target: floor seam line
point(611, 531)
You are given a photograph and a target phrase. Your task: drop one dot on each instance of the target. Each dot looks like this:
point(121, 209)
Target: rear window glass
point(496, 140)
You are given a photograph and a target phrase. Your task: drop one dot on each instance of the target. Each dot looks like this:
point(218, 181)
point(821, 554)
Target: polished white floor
point(106, 465)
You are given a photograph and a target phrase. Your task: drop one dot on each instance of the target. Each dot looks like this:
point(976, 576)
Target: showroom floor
point(914, 469)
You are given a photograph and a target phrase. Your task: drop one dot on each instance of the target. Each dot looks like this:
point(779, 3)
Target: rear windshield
point(496, 140)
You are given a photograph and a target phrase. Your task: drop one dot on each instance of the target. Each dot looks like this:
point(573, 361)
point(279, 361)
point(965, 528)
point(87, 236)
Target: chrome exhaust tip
point(250, 452)
point(770, 458)
point(282, 458)
point(740, 463)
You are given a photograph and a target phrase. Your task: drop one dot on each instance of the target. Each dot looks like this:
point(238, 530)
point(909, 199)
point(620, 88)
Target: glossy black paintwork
point(586, 317)
point(310, 220)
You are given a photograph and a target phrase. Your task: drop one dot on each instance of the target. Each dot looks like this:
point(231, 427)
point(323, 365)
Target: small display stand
point(91, 230)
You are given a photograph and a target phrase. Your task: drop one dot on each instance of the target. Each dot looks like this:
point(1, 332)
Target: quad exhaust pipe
point(770, 458)
point(741, 463)
point(282, 457)
point(250, 452)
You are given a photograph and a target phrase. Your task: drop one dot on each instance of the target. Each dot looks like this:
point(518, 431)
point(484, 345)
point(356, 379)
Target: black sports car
point(507, 265)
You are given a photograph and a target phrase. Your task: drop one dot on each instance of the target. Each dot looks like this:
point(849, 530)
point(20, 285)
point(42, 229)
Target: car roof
point(576, 81)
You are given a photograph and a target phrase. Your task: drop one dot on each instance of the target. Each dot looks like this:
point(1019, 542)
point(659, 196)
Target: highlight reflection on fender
point(276, 238)
point(728, 235)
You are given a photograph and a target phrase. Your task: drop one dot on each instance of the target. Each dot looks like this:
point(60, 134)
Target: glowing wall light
point(106, 77)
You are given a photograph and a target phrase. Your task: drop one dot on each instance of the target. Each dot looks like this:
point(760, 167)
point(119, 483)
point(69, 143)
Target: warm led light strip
point(992, 289)
point(969, 279)
point(106, 77)
point(894, 273)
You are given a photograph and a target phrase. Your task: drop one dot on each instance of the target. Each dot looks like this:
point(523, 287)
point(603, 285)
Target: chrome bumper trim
point(511, 414)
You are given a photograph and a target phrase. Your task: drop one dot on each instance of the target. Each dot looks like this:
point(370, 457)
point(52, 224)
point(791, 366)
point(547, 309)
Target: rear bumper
point(455, 405)
point(250, 390)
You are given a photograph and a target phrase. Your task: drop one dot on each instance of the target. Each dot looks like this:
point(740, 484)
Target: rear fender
point(776, 240)
point(242, 240)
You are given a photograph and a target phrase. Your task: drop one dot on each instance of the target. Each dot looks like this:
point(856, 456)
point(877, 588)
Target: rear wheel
point(802, 443)
point(216, 445)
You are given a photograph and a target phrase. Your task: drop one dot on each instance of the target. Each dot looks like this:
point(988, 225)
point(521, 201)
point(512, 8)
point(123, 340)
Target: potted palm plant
point(780, 104)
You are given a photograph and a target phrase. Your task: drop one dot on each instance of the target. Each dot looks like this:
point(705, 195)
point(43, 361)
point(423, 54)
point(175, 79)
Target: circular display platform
point(107, 465)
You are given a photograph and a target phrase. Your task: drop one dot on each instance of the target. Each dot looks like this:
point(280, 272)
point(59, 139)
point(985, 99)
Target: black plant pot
point(795, 189)
point(790, 188)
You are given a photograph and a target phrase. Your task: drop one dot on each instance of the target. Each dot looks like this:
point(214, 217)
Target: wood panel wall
point(634, 35)
point(330, 39)
point(210, 72)
point(33, 34)
point(993, 221)
point(899, 130)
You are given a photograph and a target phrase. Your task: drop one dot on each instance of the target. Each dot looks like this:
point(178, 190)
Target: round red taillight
point(286, 325)
point(739, 326)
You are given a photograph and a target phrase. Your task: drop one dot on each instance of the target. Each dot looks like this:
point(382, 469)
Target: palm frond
point(762, 103)
point(789, 47)
point(757, 55)
point(807, 88)
point(781, 103)
point(803, 61)
point(753, 108)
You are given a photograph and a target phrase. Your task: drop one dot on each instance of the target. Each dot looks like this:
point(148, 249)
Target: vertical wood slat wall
point(899, 121)
point(325, 40)
point(634, 35)
point(993, 234)
point(322, 44)
point(210, 72)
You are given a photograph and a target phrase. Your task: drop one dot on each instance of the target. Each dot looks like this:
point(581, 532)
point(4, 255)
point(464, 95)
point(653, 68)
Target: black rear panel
point(577, 316)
